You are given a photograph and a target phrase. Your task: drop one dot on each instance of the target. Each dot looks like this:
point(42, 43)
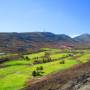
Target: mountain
point(84, 38)
point(35, 40)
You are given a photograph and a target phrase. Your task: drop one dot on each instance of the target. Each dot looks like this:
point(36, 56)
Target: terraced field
point(15, 73)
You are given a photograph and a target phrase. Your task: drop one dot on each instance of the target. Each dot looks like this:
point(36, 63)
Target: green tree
point(34, 73)
point(27, 58)
point(47, 57)
point(62, 62)
point(41, 67)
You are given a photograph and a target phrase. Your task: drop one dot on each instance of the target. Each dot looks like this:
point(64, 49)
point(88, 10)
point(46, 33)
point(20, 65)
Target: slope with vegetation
point(75, 78)
point(15, 73)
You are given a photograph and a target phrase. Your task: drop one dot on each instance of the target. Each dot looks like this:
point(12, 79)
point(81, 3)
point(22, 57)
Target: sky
point(71, 17)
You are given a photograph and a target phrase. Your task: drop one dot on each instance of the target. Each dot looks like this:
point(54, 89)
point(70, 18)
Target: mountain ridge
point(33, 40)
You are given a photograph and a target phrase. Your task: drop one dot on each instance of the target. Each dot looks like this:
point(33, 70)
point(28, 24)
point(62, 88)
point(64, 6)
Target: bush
point(41, 67)
point(27, 58)
point(38, 71)
point(34, 73)
point(62, 62)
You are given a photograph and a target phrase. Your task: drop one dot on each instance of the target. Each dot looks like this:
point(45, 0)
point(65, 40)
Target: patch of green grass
point(17, 62)
point(36, 55)
point(12, 82)
point(17, 72)
point(14, 77)
point(85, 58)
point(60, 55)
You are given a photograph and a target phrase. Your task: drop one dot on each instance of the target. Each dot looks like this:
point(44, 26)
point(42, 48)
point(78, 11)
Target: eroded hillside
point(76, 78)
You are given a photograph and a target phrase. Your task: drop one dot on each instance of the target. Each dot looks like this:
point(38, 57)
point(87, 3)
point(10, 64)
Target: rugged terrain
point(76, 78)
point(34, 40)
point(44, 61)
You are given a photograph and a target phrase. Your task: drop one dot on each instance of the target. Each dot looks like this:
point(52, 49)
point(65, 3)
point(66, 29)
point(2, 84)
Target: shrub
point(41, 67)
point(62, 62)
point(38, 71)
point(27, 58)
point(34, 73)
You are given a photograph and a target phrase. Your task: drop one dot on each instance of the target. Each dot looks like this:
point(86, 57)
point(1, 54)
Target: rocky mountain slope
point(35, 40)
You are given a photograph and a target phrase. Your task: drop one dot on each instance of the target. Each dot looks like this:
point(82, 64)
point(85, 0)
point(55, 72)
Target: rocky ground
point(80, 83)
point(76, 78)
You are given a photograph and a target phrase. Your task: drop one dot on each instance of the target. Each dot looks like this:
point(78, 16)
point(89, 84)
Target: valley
point(44, 44)
point(16, 72)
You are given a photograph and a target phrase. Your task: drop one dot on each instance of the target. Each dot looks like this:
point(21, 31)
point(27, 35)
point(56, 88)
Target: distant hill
point(36, 40)
point(83, 38)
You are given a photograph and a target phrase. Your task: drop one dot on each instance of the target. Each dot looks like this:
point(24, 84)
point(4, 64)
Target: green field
point(15, 73)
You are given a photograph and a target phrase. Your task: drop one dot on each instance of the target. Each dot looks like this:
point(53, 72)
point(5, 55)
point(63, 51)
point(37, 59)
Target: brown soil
point(76, 78)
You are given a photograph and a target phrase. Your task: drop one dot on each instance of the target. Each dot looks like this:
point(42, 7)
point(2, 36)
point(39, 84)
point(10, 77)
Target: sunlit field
point(15, 73)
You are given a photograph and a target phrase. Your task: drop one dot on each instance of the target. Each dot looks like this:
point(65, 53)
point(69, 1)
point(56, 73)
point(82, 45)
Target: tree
point(41, 67)
point(27, 58)
point(47, 57)
point(38, 71)
point(62, 62)
point(34, 73)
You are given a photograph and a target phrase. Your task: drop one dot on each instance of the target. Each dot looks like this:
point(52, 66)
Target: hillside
point(84, 38)
point(60, 63)
point(24, 71)
point(76, 78)
point(35, 40)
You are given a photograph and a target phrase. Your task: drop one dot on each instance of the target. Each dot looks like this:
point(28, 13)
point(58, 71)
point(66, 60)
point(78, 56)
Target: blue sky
point(71, 17)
